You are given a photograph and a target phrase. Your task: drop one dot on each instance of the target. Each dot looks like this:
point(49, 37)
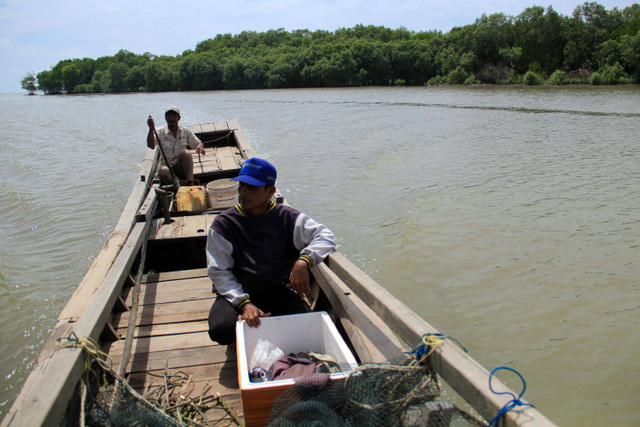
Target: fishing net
point(402, 392)
point(103, 398)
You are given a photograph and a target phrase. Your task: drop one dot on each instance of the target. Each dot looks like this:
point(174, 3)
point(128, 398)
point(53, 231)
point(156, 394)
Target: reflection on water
point(506, 217)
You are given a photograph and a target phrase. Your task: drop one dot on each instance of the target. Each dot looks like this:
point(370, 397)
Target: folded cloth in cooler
point(291, 367)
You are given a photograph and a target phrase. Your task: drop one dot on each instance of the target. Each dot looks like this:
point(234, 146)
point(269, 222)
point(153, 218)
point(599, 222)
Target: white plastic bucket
point(222, 193)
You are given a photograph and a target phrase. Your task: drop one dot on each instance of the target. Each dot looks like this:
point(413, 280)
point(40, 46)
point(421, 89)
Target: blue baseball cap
point(257, 171)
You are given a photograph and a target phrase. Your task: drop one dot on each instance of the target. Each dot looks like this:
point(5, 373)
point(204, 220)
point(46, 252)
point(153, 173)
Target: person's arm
point(219, 264)
point(251, 314)
point(315, 242)
point(219, 269)
point(194, 142)
point(151, 139)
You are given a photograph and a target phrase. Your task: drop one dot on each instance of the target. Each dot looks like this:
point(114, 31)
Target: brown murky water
point(506, 217)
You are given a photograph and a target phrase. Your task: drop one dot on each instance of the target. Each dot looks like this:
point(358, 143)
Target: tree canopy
point(593, 45)
point(28, 83)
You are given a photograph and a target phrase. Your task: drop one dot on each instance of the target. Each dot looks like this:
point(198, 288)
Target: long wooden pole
point(133, 312)
point(164, 156)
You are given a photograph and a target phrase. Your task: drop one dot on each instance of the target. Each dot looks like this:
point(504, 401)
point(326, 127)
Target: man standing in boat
point(259, 254)
point(174, 139)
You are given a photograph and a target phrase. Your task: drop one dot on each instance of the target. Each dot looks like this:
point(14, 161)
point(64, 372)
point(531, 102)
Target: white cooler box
point(295, 333)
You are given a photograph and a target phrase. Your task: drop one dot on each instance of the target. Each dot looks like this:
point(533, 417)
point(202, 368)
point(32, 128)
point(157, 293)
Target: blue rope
point(515, 401)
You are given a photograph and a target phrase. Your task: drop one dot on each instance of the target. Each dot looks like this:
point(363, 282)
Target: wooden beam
point(246, 149)
point(372, 339)
point(147, 207)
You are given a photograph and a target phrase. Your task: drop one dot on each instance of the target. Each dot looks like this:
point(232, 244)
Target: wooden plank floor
point(182, 227)
point(216, 159)
point(171, 334)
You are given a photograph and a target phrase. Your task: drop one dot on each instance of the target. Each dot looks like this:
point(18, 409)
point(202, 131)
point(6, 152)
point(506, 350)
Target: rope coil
point(515, 401)
point(90, 350)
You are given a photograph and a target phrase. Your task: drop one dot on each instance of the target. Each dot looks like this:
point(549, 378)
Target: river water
point(507, 217)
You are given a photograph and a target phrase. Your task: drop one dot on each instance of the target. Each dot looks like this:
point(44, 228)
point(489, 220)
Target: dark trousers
point(276, 299)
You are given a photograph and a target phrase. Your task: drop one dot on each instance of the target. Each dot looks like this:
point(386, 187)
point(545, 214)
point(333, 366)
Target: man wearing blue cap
point(259, 254)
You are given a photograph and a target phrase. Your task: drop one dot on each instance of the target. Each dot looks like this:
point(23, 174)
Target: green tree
point(117, 74)
point(49, 82)
point(208, 74)
point(233, 74)
point(285, 71)
point(532, 78)
point(28, 83)
point(558, 77)
point(610, 75)
point(372, 56)
point(160, 75)
point(134, 80)
point(630, 54)
point(457, 76)
point(255, 74)
point(607, 53)
point(540, 35)
point(510, 56)
point(338, 70)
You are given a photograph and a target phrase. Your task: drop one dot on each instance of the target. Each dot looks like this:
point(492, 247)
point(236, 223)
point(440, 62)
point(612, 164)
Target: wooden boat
point(165, 327)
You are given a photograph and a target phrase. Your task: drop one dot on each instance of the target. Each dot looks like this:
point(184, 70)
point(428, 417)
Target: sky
point(36, 34)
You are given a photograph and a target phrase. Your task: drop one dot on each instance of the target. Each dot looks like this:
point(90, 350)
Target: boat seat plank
point(187, 363)
point(162, 313)
point(196, 225)
point(201, 376)
point(169, 313)
point(172, 291)
point(166, 329)
point(213, 353)
point(174, 275)
point(216, 159)
point(229, 157)
point(207, 127)
point(175, 359)
point(162, 343)
point(205, 164)
point(183, 227)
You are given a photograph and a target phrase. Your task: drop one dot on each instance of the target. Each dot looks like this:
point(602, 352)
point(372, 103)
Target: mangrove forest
point(592, 46)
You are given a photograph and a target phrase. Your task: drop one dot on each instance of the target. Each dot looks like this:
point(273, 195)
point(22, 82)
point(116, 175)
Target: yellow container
point(191, 199)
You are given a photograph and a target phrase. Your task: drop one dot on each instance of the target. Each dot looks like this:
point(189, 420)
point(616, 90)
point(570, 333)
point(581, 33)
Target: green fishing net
point(401, 392)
